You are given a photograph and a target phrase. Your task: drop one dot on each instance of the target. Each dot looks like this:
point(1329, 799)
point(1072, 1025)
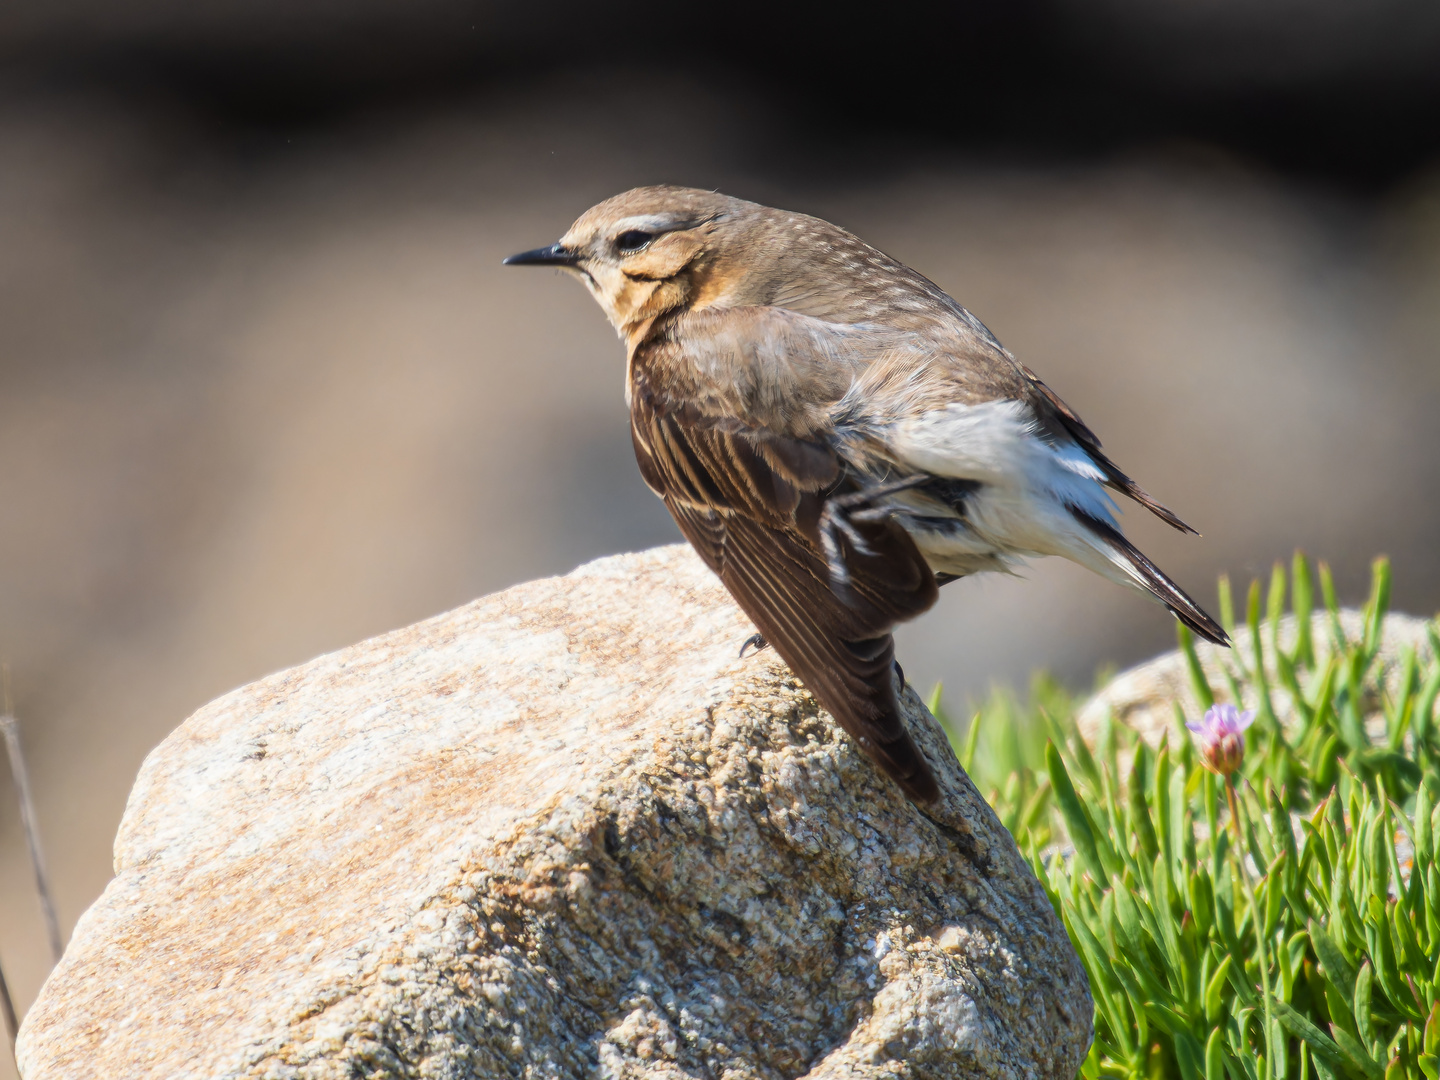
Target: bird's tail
point(1138, 571)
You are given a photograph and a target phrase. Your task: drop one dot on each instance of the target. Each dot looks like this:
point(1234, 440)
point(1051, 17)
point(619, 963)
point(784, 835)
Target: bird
point(837, 438)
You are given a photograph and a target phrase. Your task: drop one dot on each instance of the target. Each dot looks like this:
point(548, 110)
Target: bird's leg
point(843, 511)
point(755, 641)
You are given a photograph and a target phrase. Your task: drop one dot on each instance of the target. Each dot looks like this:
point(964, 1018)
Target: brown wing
point(1048, 406)
point(749, 501)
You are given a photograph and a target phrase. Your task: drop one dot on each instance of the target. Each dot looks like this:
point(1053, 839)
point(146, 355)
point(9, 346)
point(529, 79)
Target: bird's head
point(651, 250)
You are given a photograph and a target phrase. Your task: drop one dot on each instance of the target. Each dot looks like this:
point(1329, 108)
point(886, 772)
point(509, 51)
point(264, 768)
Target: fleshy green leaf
point(1275, 605)
point(1378, 604)
point(1198, 682)
point(1077, 824)
point(1215, 989)
point(1321, 1045)
point(1387, 972)
point(1332, 606)
point(1189, 1055)
point(1274, 893)
point(933, 704)
point(1333, 961)
point(1355, 1055)
point(1424, 838)
point(1302, 604)
point(1215, 1056)
point(972, 738)
point(1364, 990)
point(1129, 918)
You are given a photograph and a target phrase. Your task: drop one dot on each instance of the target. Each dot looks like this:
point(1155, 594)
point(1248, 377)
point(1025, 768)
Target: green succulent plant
point(1282, 921)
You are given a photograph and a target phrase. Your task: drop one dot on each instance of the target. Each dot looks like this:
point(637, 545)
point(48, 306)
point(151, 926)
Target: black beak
point(554, 255)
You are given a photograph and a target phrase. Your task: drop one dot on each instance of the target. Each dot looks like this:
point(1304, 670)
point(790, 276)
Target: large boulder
point(560, 832)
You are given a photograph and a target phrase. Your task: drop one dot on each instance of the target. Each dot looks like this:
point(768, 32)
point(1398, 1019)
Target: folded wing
point(749, 500)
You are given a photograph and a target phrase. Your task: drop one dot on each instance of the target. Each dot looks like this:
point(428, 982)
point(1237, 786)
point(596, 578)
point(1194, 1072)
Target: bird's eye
point(633, 240)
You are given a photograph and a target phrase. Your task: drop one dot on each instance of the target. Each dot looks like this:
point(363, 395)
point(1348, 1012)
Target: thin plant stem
point(7, 1012)
point(10, 729)
point(1257, 917)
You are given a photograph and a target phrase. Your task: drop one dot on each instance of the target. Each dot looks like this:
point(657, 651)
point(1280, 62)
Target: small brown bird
point(837, 437)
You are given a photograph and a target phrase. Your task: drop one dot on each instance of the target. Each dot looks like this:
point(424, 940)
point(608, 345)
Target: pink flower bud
point(1221, 737)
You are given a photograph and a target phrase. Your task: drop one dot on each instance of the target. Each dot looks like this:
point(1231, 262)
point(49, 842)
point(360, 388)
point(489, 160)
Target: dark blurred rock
point(1229, 45)
point(1324, 86)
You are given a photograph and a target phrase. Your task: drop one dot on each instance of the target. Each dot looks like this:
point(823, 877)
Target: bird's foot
point(843, 512)
point(756, 642)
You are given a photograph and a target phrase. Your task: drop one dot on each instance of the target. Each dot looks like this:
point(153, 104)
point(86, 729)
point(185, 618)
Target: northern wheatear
point(837, 437)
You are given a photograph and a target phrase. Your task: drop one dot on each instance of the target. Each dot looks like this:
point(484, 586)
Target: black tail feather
point(1122, 483)
point(1161, 587)
point(1049, 405)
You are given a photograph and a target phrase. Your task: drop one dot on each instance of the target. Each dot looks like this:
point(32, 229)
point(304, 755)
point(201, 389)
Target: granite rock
point(563, 831)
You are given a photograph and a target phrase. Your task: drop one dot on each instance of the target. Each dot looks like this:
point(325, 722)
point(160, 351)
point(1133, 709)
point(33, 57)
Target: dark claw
point(841, 510)
point(757, 641)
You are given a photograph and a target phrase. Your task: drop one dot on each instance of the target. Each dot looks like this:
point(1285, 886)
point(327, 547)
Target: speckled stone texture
point(560, 832)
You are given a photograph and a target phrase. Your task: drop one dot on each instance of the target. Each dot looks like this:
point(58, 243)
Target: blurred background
point(268, 391)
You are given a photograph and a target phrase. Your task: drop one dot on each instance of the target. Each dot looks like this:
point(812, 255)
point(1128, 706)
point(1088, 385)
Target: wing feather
point(749, 502)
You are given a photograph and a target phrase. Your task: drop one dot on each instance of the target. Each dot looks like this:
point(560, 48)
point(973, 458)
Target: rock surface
point(1144, 697)
point(560, 832)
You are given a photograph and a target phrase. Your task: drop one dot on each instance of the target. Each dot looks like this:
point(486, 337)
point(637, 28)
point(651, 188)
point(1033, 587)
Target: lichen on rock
point(560, 832)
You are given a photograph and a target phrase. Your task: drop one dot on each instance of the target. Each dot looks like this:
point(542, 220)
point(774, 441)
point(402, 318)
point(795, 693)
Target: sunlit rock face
point(563, 831)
